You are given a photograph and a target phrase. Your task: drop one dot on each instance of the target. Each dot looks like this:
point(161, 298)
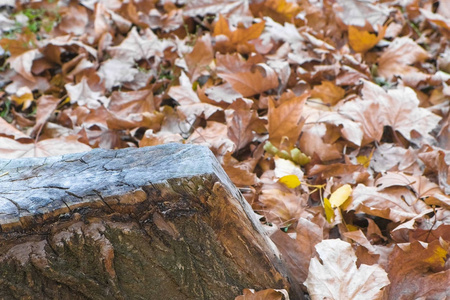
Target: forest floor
point(331, 116)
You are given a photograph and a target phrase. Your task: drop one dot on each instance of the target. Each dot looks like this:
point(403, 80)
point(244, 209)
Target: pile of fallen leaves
point(331, 116)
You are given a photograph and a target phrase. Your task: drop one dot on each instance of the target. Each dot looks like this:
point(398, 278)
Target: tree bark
point(161, 222)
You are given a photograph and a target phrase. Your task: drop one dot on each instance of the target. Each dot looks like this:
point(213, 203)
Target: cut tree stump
point(161, 222)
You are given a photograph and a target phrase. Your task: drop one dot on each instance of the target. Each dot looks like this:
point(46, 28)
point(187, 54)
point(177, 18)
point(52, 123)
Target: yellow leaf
point(24, 97)
point(329, 213)
point(222, 27)
point(340, 195)
point(362, 41)
point(351, 227)
point(291, 181)
point(363, 160)
point(328, 92)
point(439, 255)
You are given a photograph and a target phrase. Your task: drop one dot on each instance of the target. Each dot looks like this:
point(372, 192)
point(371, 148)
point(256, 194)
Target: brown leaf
point(74, 19)
point(240, 173)
point(190, 104)
point(268, 294)
point(285, 118)
point(116, 72)
point(245, 77)
point(438, 161)
point(243, 122)
point(10, 131)
point(52, 147)
point(299, 251)
point(200, 57)
point(46, 105)
point(214, 135)
point(398, 108)
point(362, 41)
point(417, 271)
point(328, 92)
point(396, 203)
point(397, 58)
point(82, 94)
point(336, 275)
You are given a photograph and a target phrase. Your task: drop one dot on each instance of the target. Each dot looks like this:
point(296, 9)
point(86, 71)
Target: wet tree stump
point(161, 222)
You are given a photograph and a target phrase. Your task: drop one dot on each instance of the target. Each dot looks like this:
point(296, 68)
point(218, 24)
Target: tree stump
point(161, 222)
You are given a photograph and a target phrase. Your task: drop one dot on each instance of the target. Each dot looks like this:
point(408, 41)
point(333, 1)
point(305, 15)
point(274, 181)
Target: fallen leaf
point(243, 123)
point(336, 275)
point(361, 40)
point(285, 118)
point(82, 94)
point(395, 203)
point(417, 271)
point(339, 196)
point(397, 59)
point(328, 92)
point(267, 294)
point(11, 149)
point(246, 78)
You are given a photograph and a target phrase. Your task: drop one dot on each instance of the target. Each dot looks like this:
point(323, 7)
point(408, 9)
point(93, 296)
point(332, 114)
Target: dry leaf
point(336, 275)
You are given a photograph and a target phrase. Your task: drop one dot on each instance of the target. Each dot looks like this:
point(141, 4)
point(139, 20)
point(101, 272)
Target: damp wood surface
point(130, 224)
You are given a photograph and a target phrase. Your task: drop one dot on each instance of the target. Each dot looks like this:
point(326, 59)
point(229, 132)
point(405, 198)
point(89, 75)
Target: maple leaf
point(237, 39)
point(417, 271)
point(438, 161)
point(46, 105)
point(361, 13)
point(362, 41)
point(190, 104)
point(298, 252)
point(336, 275)
point(243, 122)
point(74, 19)
point(135, 47)
point(388, 157)
point(437, 19)
point(23, 63)
point(246, 77)
point(240, 173)
point(285, 118)
point(397, 203)
point(282, 206)
point(82, 94)
point(224, 7)
point(398, 57)
point(328, 92)
point(214, 135)
point(115, 72)
point(10, 131)
point(398, 108)
point(200, 57)
point(279, 10)
point(51, 147)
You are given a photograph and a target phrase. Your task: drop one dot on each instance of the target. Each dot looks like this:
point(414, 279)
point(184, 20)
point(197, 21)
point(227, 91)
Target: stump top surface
point(53, 185)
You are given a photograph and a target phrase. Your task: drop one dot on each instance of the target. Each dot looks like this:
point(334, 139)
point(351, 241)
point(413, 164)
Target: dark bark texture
point(161, 222)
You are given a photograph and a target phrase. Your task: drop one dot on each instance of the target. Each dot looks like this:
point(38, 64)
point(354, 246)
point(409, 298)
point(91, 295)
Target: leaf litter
point(332, 117)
